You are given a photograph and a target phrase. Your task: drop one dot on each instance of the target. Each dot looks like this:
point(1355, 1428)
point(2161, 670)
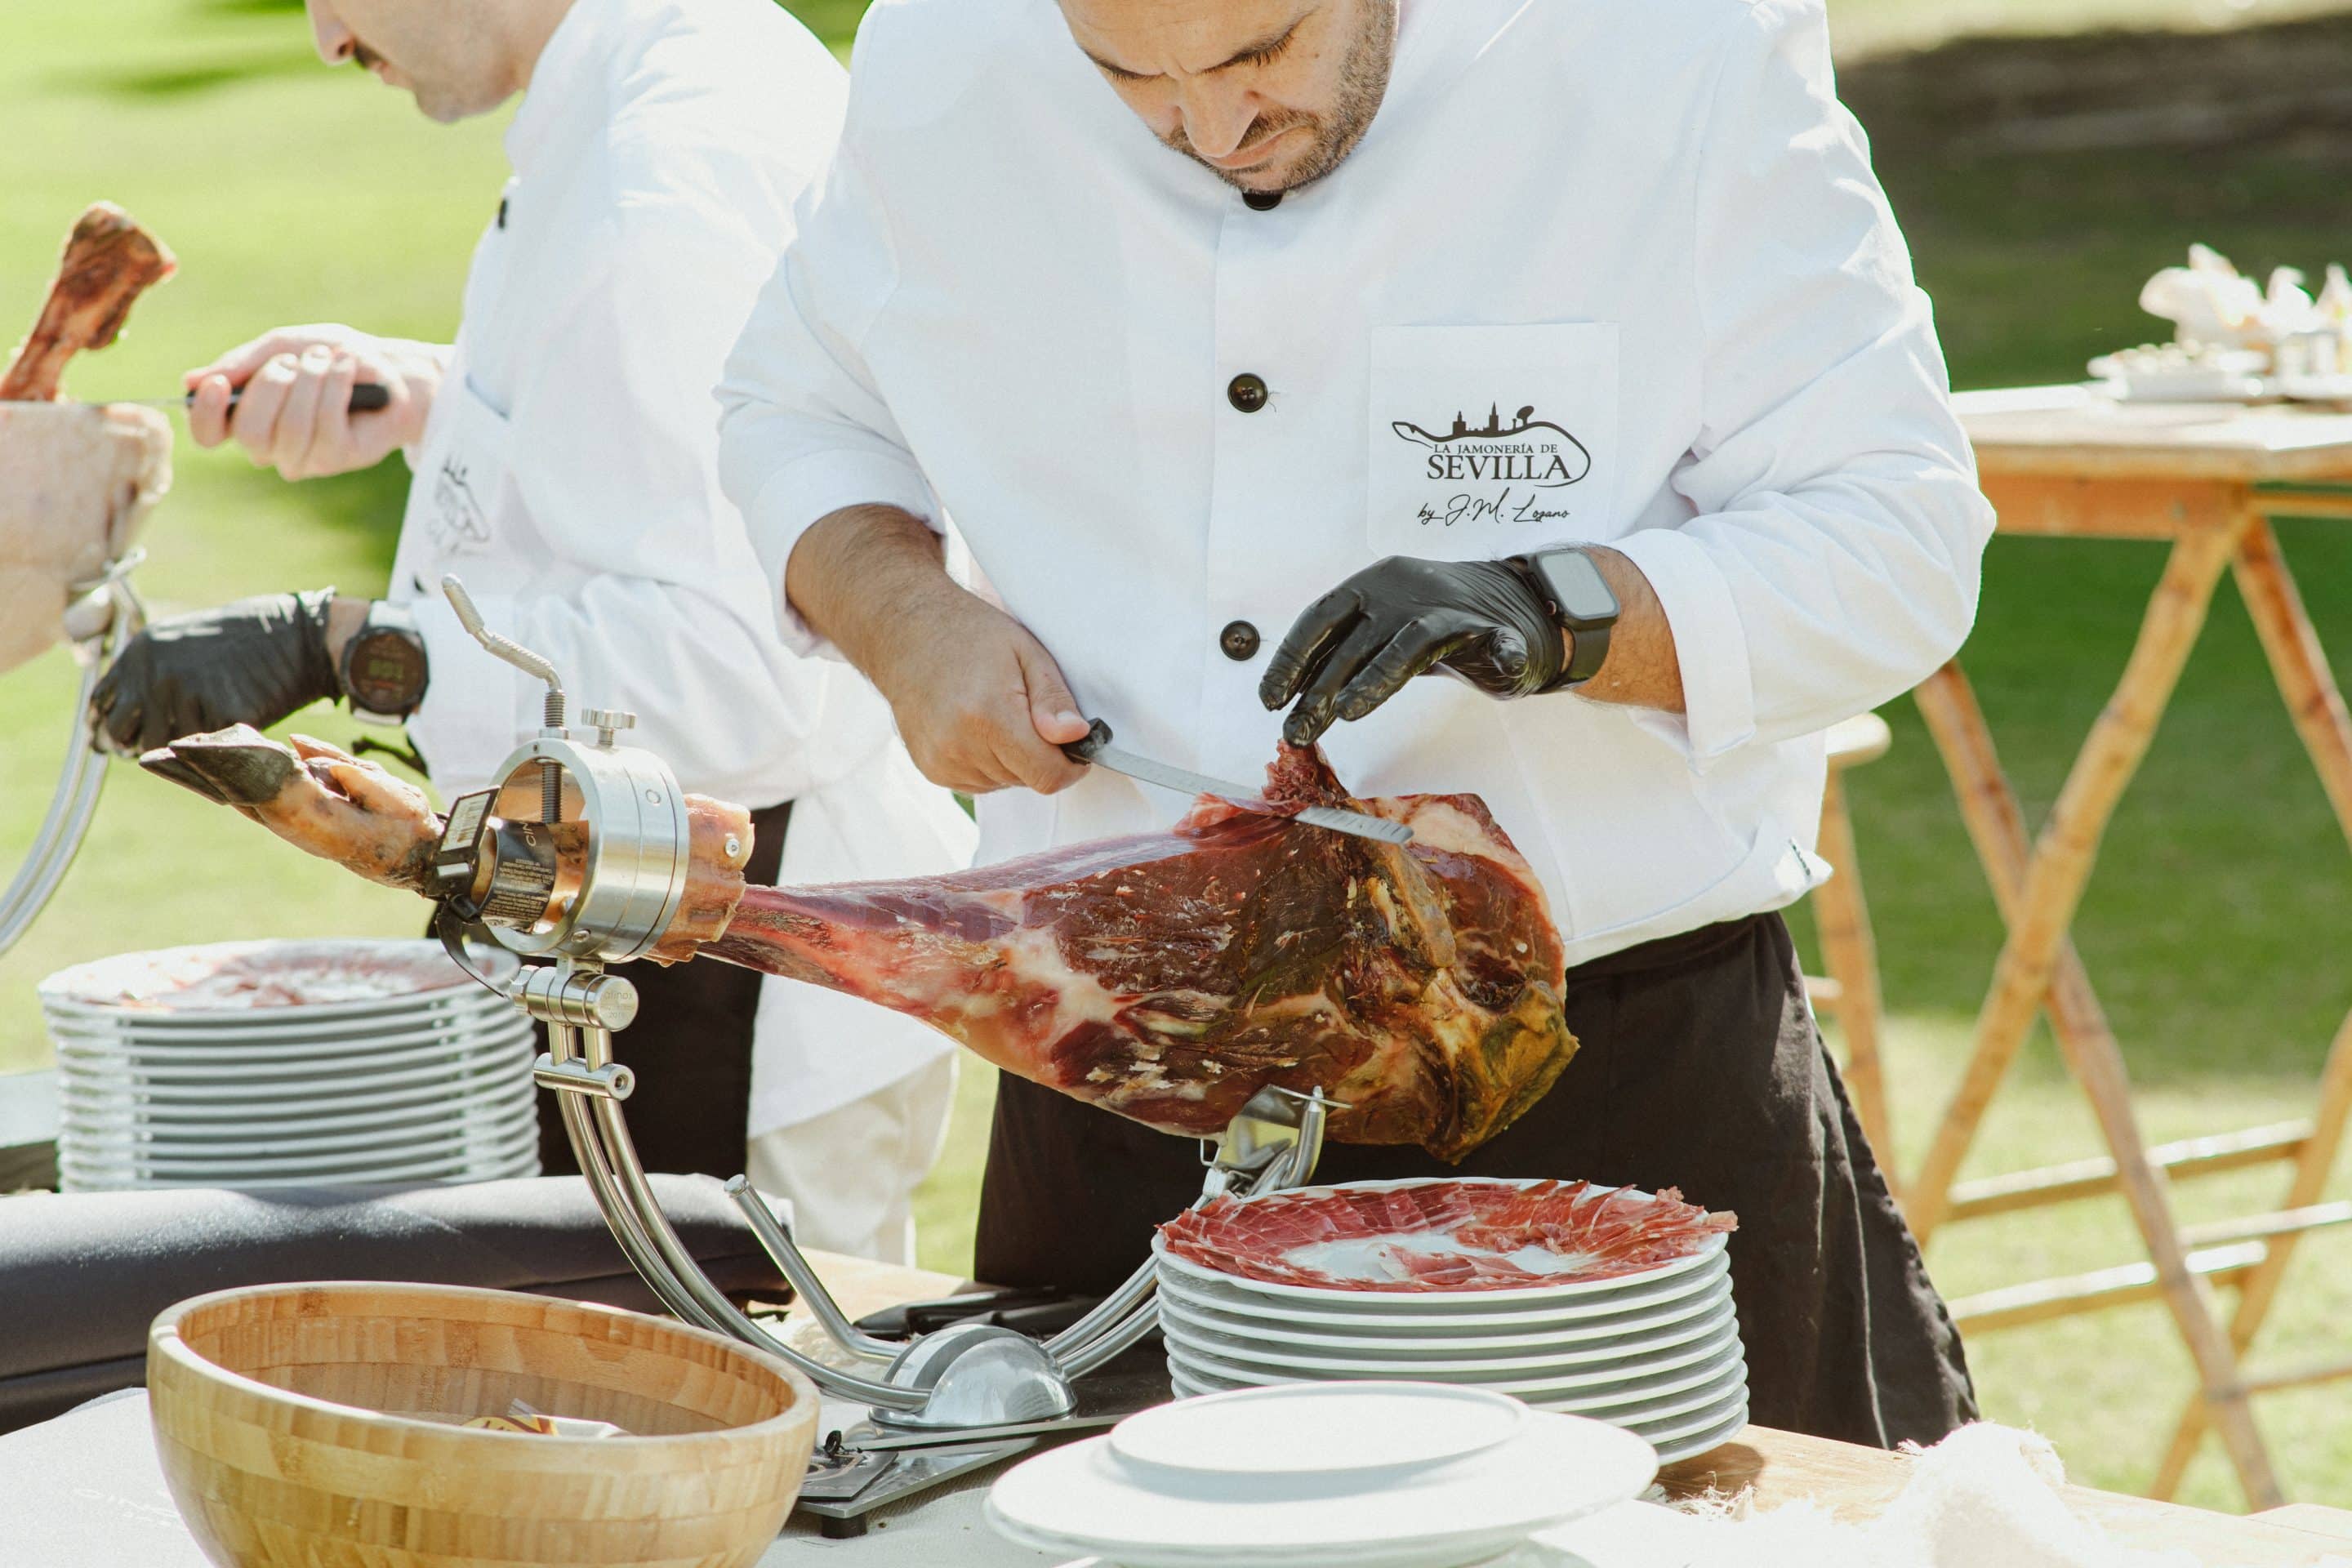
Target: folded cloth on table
point(1986, 1497)
point(87, 1272)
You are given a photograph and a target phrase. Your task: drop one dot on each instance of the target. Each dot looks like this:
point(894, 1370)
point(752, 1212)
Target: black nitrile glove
point(1356, 645)
point(252, 662)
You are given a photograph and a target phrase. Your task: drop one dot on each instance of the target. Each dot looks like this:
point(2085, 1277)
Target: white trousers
point(851, 1174)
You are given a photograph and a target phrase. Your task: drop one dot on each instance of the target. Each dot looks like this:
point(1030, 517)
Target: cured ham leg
point(1166, 977)
point(109, 262)
point(75, 482)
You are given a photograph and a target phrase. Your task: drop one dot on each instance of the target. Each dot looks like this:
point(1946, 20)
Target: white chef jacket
point(1598, 271)
point(568, 473)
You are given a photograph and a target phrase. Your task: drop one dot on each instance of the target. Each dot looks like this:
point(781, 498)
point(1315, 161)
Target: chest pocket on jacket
point(1485, 441)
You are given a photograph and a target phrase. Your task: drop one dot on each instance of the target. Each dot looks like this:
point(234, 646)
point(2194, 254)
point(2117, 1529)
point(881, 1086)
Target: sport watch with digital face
point(1580, 604)
point(383, 669)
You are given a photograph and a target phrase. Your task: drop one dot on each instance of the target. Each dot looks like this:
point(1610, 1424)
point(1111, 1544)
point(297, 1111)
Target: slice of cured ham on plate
point(1498, 1239)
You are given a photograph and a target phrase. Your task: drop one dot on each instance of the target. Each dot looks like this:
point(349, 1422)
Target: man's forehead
point(1148, 37)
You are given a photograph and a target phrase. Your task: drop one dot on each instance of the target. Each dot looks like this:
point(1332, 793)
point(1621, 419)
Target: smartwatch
point(383, 669)
point(1580, 604)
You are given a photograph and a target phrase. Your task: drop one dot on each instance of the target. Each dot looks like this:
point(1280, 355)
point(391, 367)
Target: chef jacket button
point(1246, 391)
point(1261, 201)
point(1239, 639)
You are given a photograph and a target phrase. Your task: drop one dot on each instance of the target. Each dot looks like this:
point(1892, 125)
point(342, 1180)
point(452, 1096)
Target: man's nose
point(1216, 118)
point(334, 41)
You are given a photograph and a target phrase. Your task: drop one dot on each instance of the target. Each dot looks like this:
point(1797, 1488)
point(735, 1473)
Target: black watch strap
point(1587, 651)
point(1588, 632)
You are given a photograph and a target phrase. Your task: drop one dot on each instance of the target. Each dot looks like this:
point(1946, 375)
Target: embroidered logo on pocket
point(459, 521)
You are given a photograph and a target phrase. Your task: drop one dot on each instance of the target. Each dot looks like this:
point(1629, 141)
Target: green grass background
point(2215, 926)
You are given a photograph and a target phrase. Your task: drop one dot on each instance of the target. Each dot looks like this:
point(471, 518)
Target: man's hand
point(252, 662)
point(1355, 646)
point(980, 702)
point(296, 414)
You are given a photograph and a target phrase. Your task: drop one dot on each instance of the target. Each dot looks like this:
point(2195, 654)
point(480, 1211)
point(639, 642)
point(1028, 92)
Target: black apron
point(1699, 1068)
point(691, 1047)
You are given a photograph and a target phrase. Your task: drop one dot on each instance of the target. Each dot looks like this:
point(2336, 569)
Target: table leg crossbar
point(2038, 885)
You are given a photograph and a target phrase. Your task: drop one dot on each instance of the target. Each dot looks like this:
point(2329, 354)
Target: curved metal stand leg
point(588, 1152)
point(67, 821)
point(709, 1305)
point(786, 1252)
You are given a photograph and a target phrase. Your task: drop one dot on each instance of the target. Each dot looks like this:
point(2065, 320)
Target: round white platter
point(1084, 1500)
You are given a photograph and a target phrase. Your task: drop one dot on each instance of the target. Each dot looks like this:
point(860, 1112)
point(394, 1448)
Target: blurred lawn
point(2213, 927)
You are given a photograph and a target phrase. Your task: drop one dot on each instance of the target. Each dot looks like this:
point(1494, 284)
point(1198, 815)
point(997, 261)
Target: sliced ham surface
point(1443, 1236)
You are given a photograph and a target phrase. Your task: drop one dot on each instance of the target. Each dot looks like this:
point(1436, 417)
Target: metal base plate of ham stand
point(104, 615)
point(918, 1413)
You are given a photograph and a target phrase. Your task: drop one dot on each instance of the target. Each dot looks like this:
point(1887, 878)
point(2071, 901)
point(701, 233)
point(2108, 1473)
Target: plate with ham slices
point(1608, 1302)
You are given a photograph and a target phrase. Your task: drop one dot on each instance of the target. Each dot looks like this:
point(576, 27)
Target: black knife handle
point(1097, 736)
point(367, 397)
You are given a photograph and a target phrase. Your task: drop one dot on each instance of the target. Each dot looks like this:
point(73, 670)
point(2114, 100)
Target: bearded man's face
point(1270, 94)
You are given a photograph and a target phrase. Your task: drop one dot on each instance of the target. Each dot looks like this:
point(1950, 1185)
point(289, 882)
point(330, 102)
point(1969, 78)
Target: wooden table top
point(2076, 432)
point(1851, 1481)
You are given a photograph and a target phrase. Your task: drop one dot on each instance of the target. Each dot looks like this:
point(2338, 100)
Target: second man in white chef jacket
point(1554, 345)
point(564, 452)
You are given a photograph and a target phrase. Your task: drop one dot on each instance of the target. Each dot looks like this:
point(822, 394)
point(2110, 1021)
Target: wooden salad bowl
point(316, 1425)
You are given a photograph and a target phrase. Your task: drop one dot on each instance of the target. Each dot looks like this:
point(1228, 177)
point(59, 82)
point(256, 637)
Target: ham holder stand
point(933, 1407)
point(105, 614)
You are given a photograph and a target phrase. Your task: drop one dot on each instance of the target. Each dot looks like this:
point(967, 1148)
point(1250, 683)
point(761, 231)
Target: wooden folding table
point(2065, 462)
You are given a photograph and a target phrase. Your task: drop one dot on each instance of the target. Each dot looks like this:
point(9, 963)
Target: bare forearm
point(860, 575)
point(1642, 669)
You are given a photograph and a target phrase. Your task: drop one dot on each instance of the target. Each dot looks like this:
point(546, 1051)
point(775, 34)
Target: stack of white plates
point(1364, 1476)
point(275, 1063)
point(1655, 1350)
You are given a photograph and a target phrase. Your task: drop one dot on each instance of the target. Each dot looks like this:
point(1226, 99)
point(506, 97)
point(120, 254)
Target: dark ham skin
point(109, 262)
point(1611, 1232)
point(1170, 976)
point(1166, 977)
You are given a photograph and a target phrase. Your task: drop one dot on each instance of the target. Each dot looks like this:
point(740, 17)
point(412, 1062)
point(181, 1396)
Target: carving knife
point(367, 397)
point(1097, 750)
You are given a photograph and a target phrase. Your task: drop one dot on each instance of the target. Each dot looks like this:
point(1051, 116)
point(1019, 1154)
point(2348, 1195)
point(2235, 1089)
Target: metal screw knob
point(608, 722)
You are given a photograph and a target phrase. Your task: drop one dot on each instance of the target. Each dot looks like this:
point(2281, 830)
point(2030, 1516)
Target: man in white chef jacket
point(1569, 350)
point(565, 459)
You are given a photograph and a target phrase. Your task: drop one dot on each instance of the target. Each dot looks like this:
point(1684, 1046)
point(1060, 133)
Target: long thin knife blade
point(1120, 760)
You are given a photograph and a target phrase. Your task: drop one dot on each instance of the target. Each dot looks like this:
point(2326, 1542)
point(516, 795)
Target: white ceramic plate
point(1686, 1366)
point(1443, 1300)
point(360, 1165)
point(1337, 1430)
point(230, 1045)
point(418, 967)
point(1597, 1315)
point(491, 1079)
point(1673, 1450)
point(1519, 1303)
point(1083, 1499)
point(1264, 1343)
point(343, 1089)
point(1700, 1420)
point(516, 1166)
point(418, 1111)
point(458, 1129)
point(413, 1047)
